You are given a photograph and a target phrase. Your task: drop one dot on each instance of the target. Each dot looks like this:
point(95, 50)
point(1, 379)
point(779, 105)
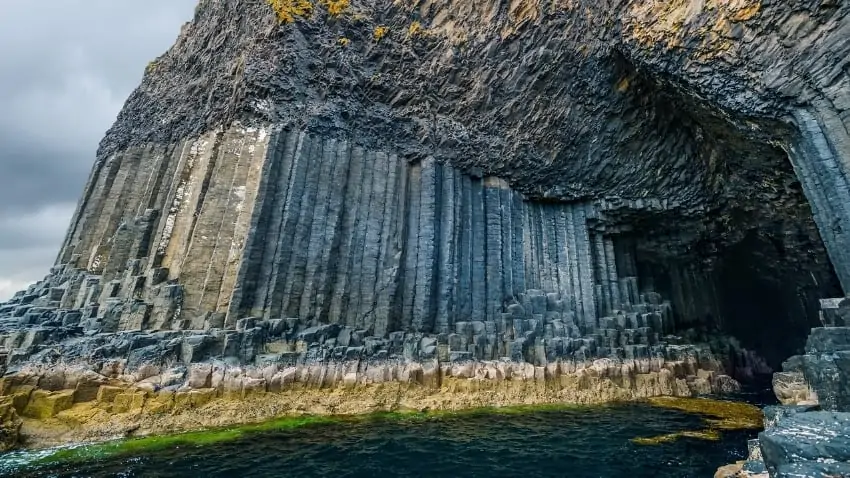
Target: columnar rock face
point(274, 222)
point(712, 133)
point(277, 223)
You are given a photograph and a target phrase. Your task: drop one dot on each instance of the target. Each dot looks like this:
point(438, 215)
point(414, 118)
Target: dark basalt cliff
point(659, 185)
point(683, 115)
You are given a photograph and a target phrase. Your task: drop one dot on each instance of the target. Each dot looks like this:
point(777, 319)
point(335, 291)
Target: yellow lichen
point(676, 23)
point(336, 7)
point(415, 29)
point(287, 10)
point(623, 85)
point(747, 12)
point(151, 67)
point(344, 41)
point(380, 32)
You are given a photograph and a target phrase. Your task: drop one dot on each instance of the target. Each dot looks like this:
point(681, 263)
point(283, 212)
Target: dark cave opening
point(757, 290)
point(769, 310)
point(748, 263)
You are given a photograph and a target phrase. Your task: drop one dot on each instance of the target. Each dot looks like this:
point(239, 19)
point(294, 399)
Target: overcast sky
point(66, 67)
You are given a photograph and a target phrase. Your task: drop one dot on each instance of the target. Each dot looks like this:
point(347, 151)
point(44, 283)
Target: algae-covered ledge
point(61, 405)
point(718, 416)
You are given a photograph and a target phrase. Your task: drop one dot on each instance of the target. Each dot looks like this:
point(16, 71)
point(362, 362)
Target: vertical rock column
point(494, 248)
point(447, 250)
point(827, 187)
point(277, 223)
point(429, 227)
point(585, 267)
point(392, 232)
point(600, 271)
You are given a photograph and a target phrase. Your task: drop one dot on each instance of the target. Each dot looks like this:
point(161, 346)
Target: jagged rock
point(813, 470)
point(10, 425)
point(835, 312)
point(826, 367)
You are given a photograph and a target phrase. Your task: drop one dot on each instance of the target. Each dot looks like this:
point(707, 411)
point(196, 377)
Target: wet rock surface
point(807, 437)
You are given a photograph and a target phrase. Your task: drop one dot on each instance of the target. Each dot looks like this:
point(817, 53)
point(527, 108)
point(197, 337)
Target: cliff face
point(679, 118)
point(456, 180)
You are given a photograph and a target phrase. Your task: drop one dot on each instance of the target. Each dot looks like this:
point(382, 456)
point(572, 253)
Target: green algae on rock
point(223, 434)
point(718, 416)
point(195, 438)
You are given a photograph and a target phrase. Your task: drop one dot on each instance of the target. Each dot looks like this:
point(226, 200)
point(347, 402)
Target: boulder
point(802, 438)
point(791, 388)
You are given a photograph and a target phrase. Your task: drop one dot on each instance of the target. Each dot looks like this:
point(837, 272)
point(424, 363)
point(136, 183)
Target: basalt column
point(342, 234)
point(278, 223)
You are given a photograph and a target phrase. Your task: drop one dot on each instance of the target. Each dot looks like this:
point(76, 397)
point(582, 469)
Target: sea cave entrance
point(762, 290)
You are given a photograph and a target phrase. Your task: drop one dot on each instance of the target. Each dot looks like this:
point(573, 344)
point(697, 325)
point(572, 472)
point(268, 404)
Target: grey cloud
point(66, 67)
point(43, 228)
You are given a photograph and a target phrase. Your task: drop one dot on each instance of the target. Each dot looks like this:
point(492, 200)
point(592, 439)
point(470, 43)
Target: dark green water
point(579, 443)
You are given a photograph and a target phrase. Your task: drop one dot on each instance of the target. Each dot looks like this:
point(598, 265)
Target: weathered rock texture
point(280, 223)
point(458, 180)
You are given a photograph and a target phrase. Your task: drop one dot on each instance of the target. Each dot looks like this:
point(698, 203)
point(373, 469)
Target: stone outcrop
point(61, 403)
point(405, 191)
point(809, 436)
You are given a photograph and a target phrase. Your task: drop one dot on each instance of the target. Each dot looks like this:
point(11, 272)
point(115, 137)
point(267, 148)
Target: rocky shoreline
point(62, 405)
point(808, 436)
point(72, 374)
point(379, 205)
